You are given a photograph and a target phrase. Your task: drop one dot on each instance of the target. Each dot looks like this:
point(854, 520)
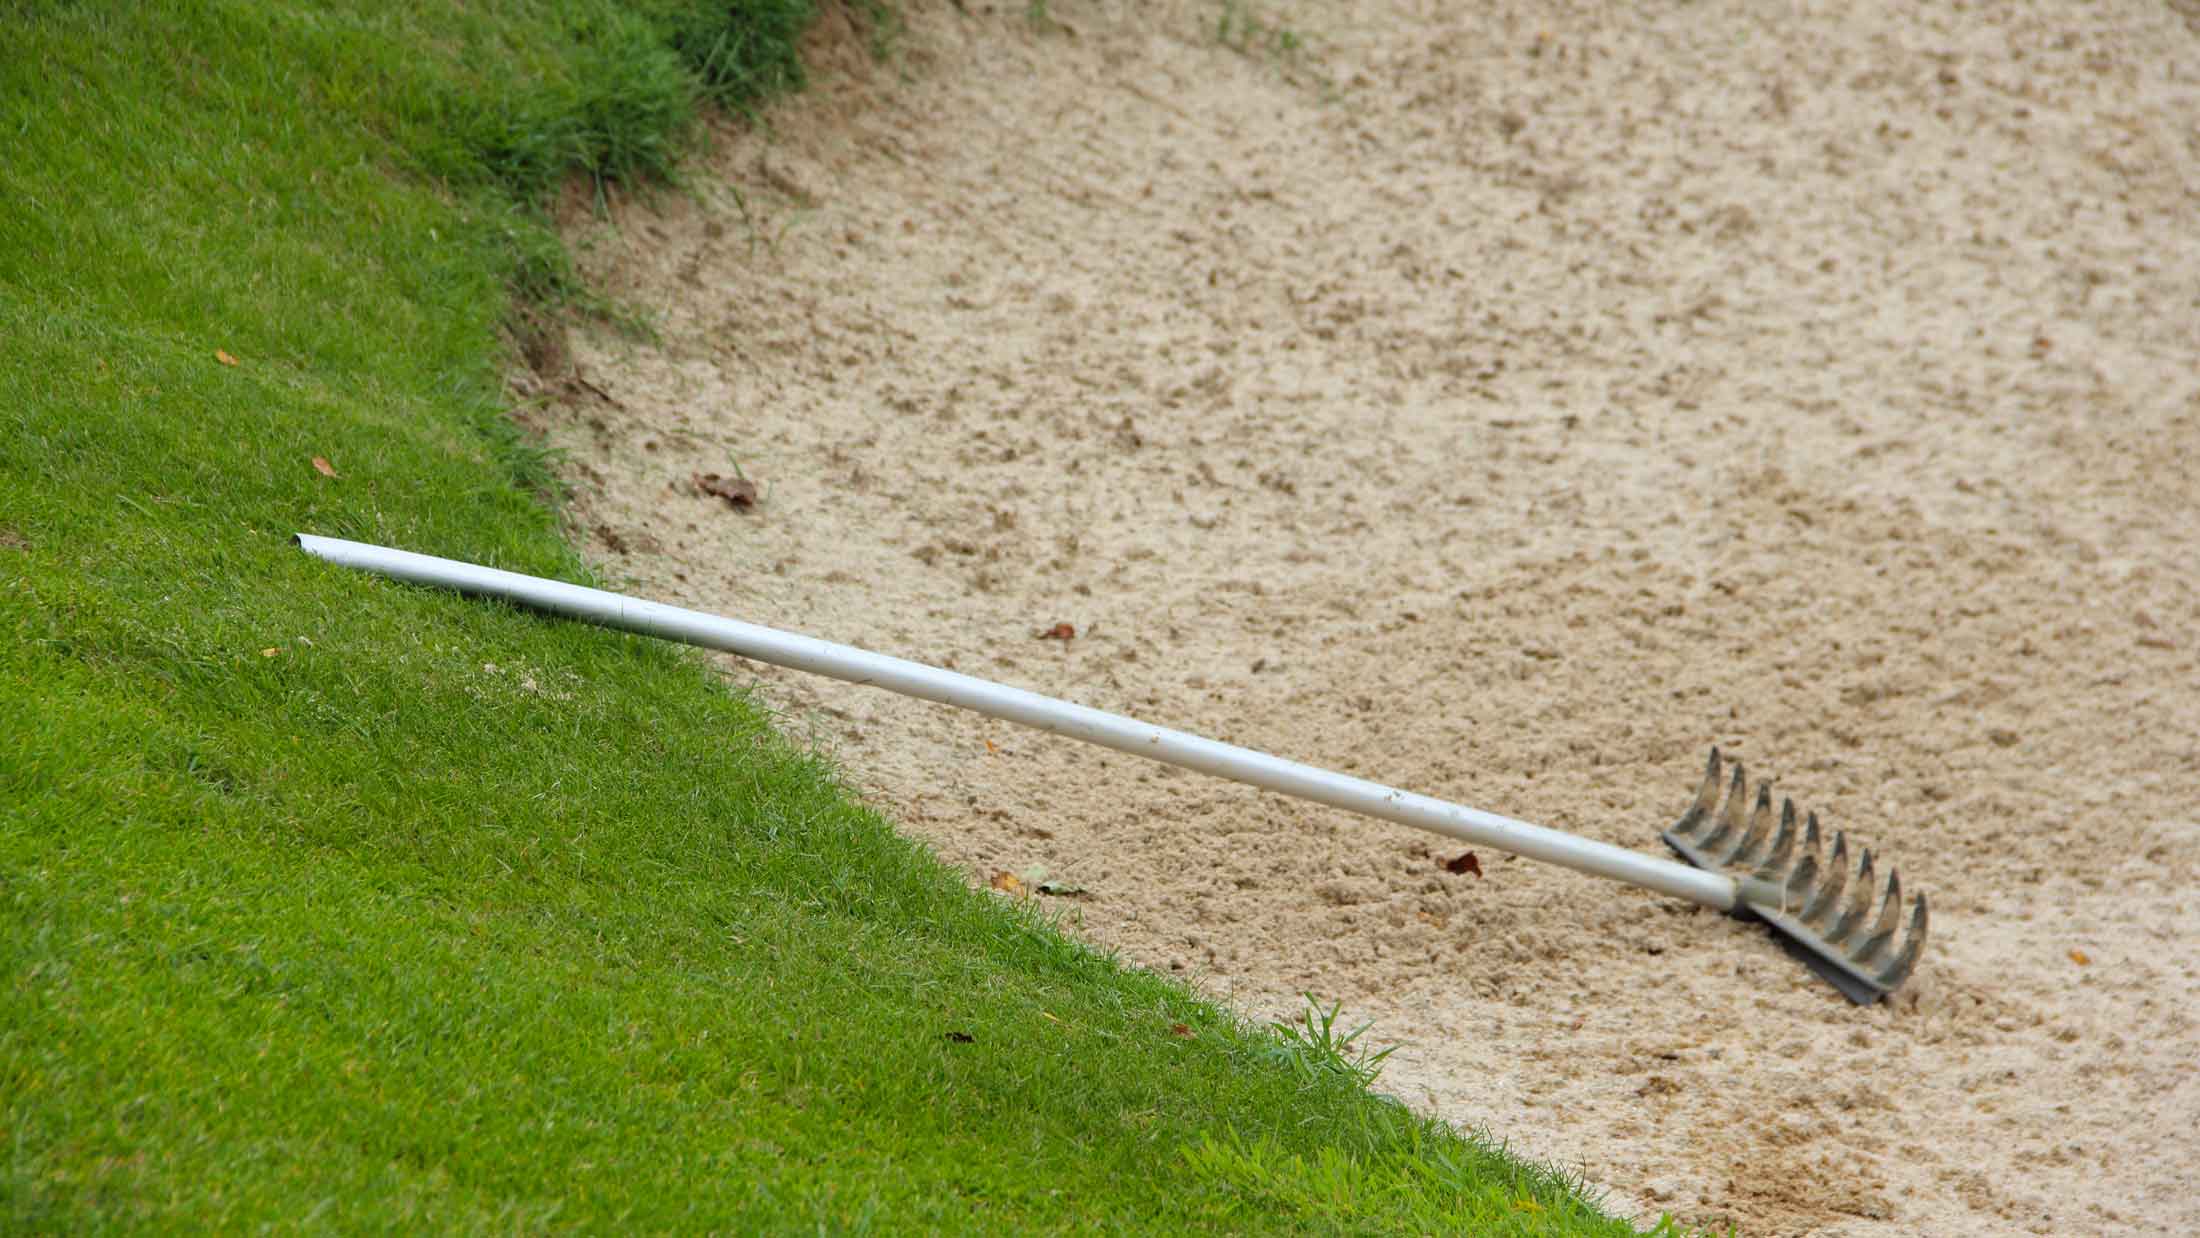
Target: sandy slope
point(1508, 405)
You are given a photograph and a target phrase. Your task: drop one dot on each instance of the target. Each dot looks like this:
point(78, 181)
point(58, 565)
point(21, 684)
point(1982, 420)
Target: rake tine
point(1744, 854)
point(1775, 867)
point(1860, 902)
point(1730, 821)
point(1802, 881)
point(1896, 972)
point(1890, 916)
point(1798, 885)
point(1708, 792)
point(1824, 911)
point(1707, 798)
point(1837, 865)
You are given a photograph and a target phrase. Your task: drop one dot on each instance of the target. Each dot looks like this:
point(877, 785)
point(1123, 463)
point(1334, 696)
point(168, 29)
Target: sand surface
point(1506, 403)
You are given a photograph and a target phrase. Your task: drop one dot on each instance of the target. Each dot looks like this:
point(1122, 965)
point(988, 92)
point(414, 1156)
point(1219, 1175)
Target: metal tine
point(1860, 901)
point(1802, 880)
point(1707, 798)
point(1775, 866)
point(1760, 824)
point(1837, 878)
point(1798, 885)
point(1890, 916)
point(1730, 820)
point(1899, 970)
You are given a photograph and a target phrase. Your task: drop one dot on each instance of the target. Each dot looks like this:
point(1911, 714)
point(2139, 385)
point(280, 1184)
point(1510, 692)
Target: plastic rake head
point(1821, 908)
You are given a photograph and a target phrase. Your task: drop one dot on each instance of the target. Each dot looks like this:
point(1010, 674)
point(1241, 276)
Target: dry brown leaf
point(738, 492)
point(323, 467)
point(1060, 631)
point(1007, 882)
point(1464, 863)
point(2080, 958)
point(224, 357)
point(1182, 1031)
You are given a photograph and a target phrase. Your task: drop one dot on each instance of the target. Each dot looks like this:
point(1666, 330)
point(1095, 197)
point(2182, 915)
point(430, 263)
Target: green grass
point(328, 903)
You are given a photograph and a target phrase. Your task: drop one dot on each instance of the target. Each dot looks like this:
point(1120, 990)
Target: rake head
point(1820, 908)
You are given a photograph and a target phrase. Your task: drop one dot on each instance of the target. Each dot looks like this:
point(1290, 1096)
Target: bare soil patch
point(1507, 402)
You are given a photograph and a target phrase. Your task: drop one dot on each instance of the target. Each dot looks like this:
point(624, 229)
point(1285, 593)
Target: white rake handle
point(1045, 713)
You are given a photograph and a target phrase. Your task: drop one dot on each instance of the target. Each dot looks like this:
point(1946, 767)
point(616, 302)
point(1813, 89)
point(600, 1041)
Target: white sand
point(1508, 405)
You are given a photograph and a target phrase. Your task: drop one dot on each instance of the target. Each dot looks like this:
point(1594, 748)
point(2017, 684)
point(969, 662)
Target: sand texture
point(1506, 403)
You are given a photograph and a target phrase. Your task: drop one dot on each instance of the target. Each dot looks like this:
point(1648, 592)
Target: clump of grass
point(740, 54)
point(1313, 1044)
point(1243, 31)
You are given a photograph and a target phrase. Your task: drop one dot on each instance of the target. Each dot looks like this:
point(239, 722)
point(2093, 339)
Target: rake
point(1736, 862)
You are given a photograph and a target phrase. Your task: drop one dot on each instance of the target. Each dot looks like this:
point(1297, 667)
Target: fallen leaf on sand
point(1465, 863)
point(1060, 631)
point(1007, 882)
point(1182, 1031)
point(2080, 958)
point(323, 467)
point(738, 492)
point(224, 358)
